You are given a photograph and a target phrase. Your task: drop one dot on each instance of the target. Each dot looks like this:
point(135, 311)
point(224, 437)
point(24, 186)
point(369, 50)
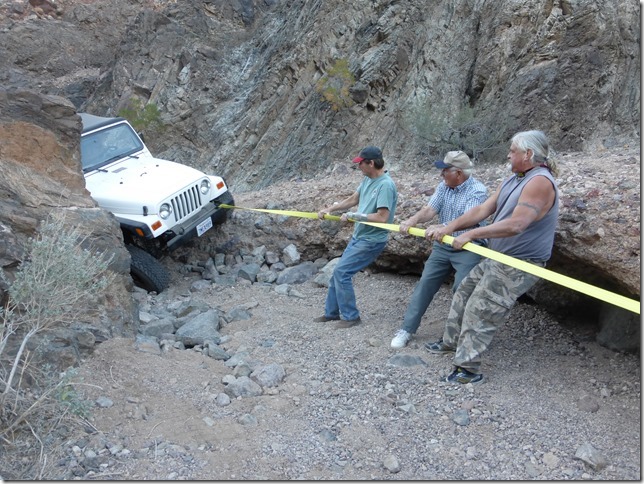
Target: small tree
point(142, 117)
point(335, 84)
point(440, 129)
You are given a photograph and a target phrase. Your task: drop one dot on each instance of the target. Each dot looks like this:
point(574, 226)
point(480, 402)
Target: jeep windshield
point(106, 145)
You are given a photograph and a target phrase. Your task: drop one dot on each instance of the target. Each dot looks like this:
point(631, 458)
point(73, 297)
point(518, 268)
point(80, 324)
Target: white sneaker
point(400, 340)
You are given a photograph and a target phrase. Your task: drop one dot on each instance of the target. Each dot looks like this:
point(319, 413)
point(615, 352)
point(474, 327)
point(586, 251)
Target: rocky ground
point(555, 405)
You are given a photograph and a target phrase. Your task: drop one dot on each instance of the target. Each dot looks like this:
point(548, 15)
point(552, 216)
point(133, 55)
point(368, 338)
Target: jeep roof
point(91, 122)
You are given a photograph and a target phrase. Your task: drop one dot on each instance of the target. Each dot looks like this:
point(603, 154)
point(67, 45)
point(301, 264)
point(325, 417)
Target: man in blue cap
point(455, 195)
point(376, 197)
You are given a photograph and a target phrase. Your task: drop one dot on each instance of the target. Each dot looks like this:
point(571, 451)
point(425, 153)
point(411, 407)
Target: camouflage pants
point(480, 305)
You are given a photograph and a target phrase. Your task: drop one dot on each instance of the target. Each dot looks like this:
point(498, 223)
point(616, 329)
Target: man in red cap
point(376, 197)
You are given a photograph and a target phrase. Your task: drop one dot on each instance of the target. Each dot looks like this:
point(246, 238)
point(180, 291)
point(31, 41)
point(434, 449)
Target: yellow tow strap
point(569, 282)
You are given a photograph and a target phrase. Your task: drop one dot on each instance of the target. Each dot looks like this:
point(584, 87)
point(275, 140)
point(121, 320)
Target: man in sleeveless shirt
point(525, 209)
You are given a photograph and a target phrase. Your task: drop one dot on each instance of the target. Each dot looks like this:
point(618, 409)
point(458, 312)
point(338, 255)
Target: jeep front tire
point(147, 272)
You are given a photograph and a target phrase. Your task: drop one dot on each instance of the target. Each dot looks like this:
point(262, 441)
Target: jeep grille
point(186, 203)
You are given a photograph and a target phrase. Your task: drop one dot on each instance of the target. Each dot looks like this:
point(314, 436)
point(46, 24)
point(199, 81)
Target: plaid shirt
point(451, 203)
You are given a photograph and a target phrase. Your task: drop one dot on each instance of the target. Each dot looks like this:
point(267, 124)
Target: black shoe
point(461, 375)
point(439, 347)
point(324, 319)
point(348, 323)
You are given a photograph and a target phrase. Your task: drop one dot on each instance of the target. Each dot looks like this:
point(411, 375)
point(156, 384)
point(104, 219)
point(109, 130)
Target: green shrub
point(142, 117)
point(335, 84)
point(68, 396)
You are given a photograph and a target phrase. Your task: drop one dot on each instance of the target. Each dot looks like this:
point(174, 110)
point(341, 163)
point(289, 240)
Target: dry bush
point(58, 274)
point(334, 86)
point(439, 129)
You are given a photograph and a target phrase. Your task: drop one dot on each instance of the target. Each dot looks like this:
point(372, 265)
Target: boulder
point(40, 173)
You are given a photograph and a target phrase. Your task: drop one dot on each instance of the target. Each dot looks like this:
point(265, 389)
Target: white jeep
point(160, 204)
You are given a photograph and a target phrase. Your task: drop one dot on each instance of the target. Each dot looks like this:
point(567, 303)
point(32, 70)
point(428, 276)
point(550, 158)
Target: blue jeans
point(437, 267)
point(341, 299)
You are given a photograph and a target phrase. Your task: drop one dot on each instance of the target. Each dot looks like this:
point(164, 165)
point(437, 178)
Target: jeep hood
point(127, 186)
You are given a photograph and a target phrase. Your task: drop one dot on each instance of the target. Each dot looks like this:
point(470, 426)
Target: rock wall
point(40, 174)
point(236, 81)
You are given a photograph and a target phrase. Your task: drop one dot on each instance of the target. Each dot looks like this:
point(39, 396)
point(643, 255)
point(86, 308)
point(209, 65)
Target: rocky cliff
point(40, 174)
point(238, 82)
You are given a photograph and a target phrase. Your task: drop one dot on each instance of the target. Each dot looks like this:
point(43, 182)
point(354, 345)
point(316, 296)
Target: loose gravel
point(555, 404)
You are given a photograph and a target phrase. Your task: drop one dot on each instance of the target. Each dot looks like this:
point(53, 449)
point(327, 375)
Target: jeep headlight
point(165, 210)
point(204, 187)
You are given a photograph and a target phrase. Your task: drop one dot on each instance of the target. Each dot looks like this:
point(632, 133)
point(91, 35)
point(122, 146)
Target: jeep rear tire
point(146, 271)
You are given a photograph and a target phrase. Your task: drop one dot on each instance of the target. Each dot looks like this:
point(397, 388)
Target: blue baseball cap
point(368, 153)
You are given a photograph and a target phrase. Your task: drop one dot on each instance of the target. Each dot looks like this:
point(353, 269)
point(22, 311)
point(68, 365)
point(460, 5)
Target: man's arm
point(536, 199)
point(381, 216)
point(470, 218)
point(350, 201)
point(425, 214)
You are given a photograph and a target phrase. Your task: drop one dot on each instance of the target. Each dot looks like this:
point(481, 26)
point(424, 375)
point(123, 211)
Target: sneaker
point(401, 339)
point(348, 323)
point(439, 347)
point(461, 375)
point(324, 319)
